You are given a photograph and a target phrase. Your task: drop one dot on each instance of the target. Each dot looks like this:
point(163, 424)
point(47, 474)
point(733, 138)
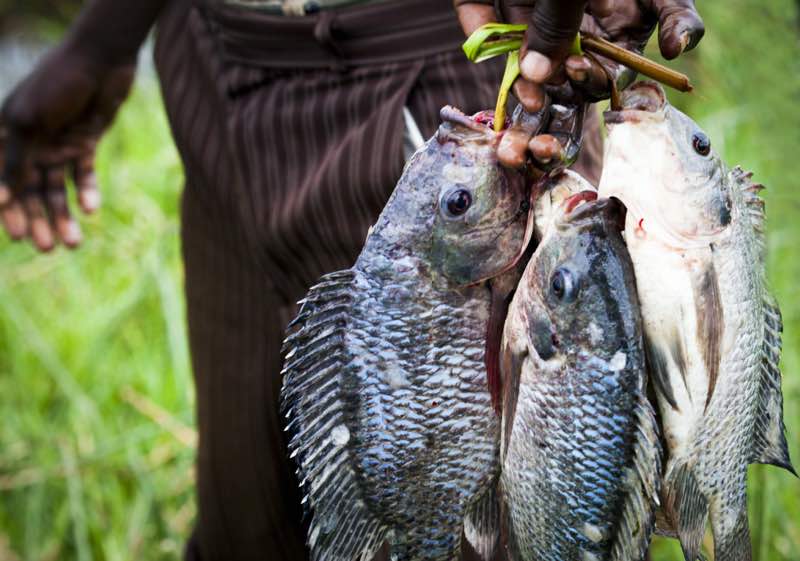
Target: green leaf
point(474, 45)
point(491, 49)
point(510, 74)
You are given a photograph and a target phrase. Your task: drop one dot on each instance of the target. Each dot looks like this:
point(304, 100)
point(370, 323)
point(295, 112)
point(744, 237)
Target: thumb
point(680, 27)
point(551, 32)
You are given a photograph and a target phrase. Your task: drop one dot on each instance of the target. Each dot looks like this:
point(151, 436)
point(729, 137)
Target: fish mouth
point(585, 209)
point(641, 101)
point(458, 126)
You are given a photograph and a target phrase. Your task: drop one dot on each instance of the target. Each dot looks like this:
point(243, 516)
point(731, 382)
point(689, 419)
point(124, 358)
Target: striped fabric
point(285, 172)
point(296, 7)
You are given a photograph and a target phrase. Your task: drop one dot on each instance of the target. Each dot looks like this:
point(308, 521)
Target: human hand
point(50, 125)
point(629, 24)
point(547, 66)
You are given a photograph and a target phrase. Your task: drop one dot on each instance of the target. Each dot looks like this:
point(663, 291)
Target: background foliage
point(97, 444)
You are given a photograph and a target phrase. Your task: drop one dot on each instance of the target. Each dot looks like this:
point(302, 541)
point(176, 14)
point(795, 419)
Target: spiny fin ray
point(314, 402)
point(639, 510)
point(770, 445)
point(686, 508)
point(482, 523)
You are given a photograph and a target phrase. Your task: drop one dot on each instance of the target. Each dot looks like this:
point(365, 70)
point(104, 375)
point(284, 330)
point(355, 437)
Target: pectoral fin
point(511, 368)
point(710, 323)
point(686, 509)
point(482, 523)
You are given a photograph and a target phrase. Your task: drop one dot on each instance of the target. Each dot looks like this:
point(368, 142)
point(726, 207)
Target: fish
point(386, 390)
point(695, 232)
point(554, 191)
point(580, 448)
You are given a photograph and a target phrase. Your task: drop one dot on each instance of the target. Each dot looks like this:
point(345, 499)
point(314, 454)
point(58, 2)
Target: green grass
point(85, 337)
point(96, 446)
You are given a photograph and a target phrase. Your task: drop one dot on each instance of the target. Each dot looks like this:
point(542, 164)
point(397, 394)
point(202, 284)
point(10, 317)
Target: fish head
point(481, 210)
point(661, 165)
point(556, 190)
point(578, 290)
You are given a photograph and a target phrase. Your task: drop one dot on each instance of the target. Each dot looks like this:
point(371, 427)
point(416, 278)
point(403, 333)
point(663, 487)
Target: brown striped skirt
point(290, 130)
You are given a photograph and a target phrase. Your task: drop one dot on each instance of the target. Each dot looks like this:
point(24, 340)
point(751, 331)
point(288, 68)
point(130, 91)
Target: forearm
point(111, 31)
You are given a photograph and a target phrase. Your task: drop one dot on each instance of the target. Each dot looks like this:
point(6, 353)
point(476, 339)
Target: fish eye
point(457, 202)
point(564, 285)
point(701, 143)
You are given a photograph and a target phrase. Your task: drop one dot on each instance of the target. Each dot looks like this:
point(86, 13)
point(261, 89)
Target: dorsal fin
point(639, 510)
point(753, 204)
point(770, 433)
point(314, 401)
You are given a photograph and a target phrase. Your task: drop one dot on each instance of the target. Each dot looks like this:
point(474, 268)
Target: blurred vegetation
point(97, 445)
point(36, 17)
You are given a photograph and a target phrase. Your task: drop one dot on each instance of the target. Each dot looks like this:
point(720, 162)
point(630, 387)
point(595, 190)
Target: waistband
point(377, 33)
point(295, 7)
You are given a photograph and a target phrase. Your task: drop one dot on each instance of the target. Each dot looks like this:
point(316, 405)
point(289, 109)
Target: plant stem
point(637, 62)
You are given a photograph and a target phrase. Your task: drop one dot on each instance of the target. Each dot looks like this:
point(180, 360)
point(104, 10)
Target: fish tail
point(687, 508)
point(732, 541)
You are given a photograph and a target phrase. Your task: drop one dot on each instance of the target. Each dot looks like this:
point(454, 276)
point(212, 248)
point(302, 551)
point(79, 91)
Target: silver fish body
point(580, 449)
point(385, 387)
point(694, 230)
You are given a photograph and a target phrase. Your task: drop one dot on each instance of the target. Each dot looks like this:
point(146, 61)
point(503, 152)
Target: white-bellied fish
point(695, 232)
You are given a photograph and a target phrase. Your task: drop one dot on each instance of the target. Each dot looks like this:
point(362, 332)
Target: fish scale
point(425, 481)
point(385, 388)
point(695, 230)
point(580, 453)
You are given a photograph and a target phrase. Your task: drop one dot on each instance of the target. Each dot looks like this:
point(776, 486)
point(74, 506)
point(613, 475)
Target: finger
point(5, 194)
point(17, 166)
point(587, 75)
point(14, 220)
point(472, 15)
point(680, 27)
point(65, 226)
point(529, 94)
point(551, 32)
point(86, 183)
point(544, 148)
point(5, 191)
point(39, 227)
point(513, 147)
point(601, 8)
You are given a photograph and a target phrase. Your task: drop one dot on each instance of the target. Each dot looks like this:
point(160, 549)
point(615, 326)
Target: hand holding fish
point(550, 73)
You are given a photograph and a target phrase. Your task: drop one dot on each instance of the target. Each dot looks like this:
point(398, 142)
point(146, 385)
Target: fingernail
point(579, 75)
point(91, 200)
point(42, 235)
point(72, 236)
point(511, 151)
point(685, 40)
point(535, 67)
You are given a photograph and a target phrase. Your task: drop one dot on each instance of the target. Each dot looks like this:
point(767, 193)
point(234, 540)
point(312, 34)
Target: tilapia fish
point(385, 387)
point(694, 230)
point(580, 448)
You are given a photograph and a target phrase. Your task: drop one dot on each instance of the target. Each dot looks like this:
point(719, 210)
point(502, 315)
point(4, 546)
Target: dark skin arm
point(545, 59)
point(52, 121)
